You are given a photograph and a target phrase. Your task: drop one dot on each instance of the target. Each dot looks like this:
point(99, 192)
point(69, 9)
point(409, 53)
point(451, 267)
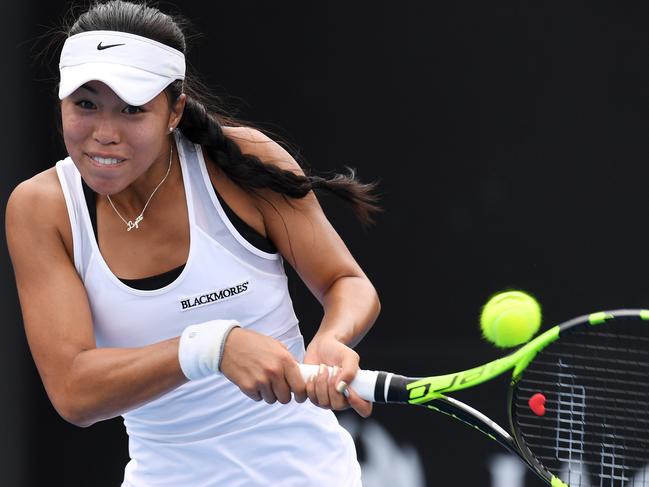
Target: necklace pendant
point(130, 225)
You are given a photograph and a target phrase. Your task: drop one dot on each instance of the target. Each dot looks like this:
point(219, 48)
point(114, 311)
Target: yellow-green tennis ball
point(510, 319)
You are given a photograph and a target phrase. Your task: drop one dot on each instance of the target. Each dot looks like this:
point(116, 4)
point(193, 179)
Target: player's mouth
point(105, 160)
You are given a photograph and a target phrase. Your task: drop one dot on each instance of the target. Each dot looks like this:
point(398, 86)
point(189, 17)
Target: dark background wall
point(510, 141)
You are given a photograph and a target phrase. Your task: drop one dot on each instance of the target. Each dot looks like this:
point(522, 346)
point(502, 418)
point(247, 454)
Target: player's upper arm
point(299, 227)
point(54, 305)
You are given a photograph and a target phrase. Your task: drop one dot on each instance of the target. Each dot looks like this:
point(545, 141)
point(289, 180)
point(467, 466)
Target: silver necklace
point(130, 225)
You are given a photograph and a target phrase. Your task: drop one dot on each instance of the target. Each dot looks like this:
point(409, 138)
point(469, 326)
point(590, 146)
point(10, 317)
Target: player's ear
point(177, 110)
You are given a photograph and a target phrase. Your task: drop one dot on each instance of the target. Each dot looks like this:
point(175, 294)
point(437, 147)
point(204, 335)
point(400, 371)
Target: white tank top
point(207, 433)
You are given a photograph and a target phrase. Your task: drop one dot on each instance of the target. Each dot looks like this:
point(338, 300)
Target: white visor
point(136, 68)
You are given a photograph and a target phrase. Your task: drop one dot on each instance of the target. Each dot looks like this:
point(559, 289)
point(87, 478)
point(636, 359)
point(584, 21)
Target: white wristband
point(201, 347)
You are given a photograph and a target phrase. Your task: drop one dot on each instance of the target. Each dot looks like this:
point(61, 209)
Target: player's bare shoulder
point(36, 208)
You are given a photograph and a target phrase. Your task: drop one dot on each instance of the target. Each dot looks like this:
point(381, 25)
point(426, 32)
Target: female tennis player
point(149, 265)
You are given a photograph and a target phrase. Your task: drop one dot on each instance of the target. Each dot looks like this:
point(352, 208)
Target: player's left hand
point(323, 390)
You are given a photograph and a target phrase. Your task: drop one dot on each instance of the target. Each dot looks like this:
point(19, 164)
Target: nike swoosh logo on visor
point(101, 48)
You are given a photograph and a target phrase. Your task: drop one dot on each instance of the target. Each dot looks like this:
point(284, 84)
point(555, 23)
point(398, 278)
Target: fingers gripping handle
point(364, 383)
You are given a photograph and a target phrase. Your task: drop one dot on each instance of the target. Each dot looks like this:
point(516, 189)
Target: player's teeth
point(102, 160)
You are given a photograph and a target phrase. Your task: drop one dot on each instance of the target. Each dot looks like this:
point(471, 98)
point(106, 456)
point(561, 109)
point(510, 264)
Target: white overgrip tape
point(201, 347)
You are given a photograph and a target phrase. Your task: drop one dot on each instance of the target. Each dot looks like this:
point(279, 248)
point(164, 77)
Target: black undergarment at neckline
point(151, 283)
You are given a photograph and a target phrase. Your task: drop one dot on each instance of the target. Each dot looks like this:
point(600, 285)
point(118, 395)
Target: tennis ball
point(510, 318)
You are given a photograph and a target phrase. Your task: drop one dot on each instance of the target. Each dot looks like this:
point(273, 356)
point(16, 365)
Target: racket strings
point(595, 430)
point(605, 399)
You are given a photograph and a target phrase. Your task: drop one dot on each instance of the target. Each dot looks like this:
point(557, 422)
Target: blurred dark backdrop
point(510, 141)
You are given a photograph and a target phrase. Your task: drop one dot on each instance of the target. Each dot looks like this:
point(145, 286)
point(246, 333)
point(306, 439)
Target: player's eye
point(133, 110)
point(85, 104)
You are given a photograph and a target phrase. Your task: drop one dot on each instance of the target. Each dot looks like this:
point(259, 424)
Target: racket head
point(593, 384)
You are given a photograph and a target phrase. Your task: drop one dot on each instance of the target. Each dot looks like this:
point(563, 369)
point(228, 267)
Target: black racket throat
point(392, 388)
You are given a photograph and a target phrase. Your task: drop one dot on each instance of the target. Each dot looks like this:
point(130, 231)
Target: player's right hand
point(262, 367)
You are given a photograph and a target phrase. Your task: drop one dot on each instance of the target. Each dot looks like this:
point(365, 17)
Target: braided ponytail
point(202, 126)
point(204, 118)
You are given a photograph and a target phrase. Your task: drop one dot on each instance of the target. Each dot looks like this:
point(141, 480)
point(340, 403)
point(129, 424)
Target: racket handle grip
point(363, 384)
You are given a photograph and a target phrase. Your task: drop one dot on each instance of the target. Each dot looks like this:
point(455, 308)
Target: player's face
point(111, 142)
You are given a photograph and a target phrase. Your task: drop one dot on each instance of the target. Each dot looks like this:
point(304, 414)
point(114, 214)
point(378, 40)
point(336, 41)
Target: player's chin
point(105, 180)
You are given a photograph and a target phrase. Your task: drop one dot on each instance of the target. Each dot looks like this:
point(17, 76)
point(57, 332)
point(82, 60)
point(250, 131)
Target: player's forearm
point(351, 307)
point(103, 383)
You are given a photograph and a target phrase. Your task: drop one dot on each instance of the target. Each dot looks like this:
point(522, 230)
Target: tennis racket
point(578, 400)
